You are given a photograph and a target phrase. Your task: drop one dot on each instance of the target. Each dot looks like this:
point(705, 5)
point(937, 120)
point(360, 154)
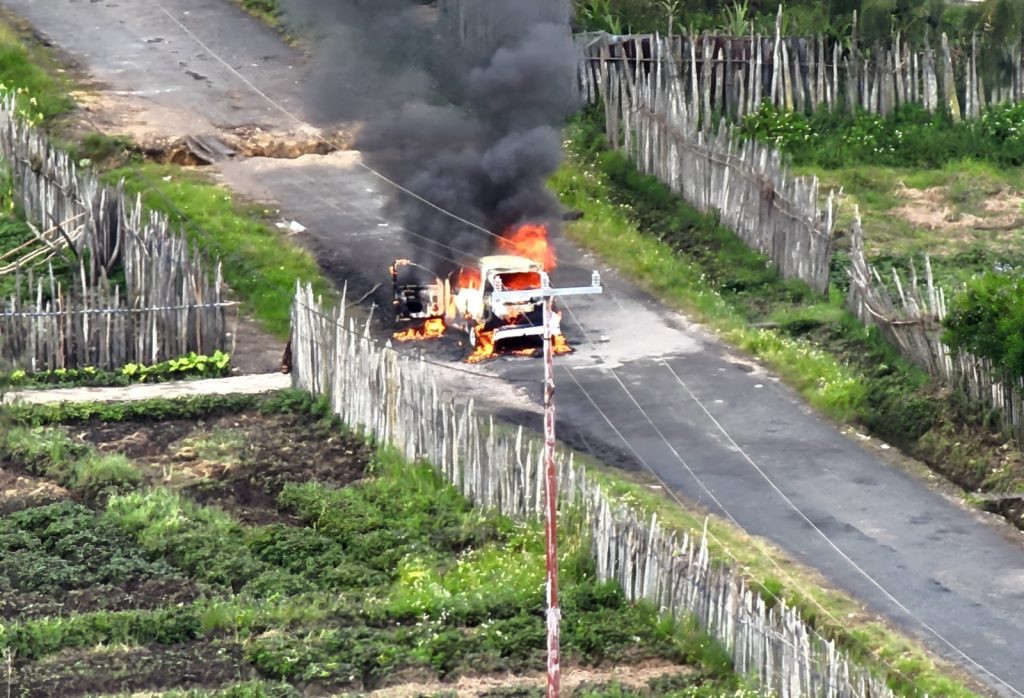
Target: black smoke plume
point(470, 126)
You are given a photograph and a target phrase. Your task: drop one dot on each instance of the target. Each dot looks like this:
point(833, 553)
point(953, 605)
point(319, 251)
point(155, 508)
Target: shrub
point(987, 320)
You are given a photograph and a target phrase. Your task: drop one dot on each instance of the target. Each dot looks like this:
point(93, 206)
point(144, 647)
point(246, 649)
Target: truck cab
point(477, 311)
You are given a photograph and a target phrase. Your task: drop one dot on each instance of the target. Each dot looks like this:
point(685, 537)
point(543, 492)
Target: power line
point(788, 501)
point(480, 228)
point(284, 110)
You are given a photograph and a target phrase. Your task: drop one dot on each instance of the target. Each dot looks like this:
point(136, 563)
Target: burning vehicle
point(465, 300)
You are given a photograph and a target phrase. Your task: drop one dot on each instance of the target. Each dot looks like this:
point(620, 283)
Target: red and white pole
point(554, 614)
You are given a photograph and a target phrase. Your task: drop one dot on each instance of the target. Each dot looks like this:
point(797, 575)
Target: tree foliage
point(987, 320)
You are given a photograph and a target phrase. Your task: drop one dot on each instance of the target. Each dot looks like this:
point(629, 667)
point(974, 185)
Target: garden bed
point(268, 549)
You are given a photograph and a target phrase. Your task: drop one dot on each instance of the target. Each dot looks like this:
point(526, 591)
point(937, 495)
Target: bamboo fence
point(396, 400)
point(732, 75)
point(910, 318)
point(169, 303)
point(650, 116)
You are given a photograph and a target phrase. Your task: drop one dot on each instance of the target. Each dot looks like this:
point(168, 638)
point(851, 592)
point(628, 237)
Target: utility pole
point(547, 294)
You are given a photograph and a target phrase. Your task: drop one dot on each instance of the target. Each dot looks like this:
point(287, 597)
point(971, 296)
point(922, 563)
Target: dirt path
point(732, 439)
point(235, 385)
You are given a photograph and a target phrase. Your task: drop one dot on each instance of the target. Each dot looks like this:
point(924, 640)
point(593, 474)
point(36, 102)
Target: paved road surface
point(728, 436)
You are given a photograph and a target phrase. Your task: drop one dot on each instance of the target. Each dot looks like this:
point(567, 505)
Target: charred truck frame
point(465, 300)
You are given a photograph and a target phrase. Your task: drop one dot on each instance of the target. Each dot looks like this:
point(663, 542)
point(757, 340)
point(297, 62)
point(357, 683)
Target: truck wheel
point(472, 337)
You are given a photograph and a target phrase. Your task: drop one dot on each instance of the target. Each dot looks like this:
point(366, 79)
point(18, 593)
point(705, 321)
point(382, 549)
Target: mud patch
point(124, 670)
point(238, 462)
point(162, 133)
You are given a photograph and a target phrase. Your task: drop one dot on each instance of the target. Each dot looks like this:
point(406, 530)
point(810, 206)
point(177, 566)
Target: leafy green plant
point(191, 365)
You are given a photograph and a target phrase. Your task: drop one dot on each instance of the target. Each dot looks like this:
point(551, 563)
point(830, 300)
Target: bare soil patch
point(238, 462)
point(92, 672)
point(20, 491)
point(931, 209)
point(574, 680)
point(145, 594)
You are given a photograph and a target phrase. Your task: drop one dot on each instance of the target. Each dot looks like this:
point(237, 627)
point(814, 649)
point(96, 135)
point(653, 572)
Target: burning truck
point(464, 300)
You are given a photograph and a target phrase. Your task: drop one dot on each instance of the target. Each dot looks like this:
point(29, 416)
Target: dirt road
point(658, 392)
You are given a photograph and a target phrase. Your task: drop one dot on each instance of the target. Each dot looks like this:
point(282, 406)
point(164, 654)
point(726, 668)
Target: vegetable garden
point(251, 547)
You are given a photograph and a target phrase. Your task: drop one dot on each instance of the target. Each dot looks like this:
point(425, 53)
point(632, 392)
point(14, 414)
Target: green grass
point(259, 265)
point(29, 70)
point(49, 452)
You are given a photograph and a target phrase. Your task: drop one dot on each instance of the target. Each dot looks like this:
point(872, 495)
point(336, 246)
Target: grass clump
point(258, 265)
point(268, 11)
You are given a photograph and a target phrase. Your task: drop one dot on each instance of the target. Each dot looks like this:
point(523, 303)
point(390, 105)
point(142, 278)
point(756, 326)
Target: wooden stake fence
point(649, 115)
point(396, 400)
point(731, 76)
point(910, 318)
point(170, 303)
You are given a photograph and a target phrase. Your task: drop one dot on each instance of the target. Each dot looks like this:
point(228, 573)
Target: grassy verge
point(33, 73)
point(842, 368)
point(258, 266)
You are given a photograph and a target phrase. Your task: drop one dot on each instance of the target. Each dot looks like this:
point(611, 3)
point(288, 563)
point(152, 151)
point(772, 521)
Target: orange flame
point(469, 277)
point(530, 240)
point(559, 346)
point(484, 348)
point(432, 328)
point(521, 280)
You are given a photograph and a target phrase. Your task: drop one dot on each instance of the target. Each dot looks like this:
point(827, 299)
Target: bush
point(987, 320)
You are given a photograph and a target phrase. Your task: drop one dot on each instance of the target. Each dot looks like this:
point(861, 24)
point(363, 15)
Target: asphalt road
point(644, 387)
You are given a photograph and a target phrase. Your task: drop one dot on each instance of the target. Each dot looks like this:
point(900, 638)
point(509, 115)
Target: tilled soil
point(145, 594)
point(20, 491)
point(237, 462)
point(152, 668)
